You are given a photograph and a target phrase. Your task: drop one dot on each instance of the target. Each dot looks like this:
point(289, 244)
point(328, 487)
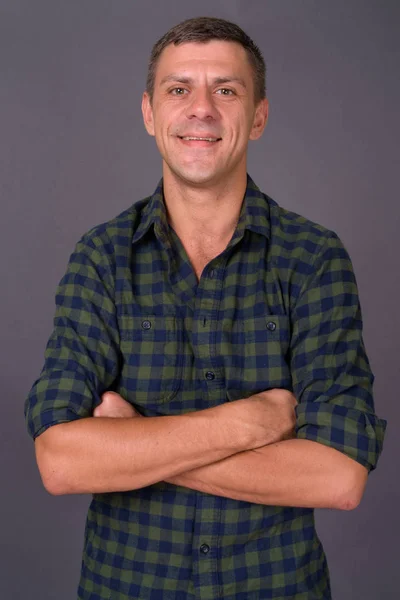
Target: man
point(206, 379)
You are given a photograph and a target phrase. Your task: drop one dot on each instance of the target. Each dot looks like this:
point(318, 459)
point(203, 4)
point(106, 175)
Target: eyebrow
point(176, 77)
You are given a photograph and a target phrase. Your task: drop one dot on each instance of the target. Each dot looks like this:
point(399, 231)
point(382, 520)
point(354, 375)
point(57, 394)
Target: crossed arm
point(292, 472)
point(289, 473)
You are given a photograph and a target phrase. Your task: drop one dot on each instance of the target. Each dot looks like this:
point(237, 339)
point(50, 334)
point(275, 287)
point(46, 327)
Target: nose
point(202, 105)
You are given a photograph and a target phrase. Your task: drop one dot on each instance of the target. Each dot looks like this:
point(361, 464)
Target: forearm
point(289, 473)
point(104, 454)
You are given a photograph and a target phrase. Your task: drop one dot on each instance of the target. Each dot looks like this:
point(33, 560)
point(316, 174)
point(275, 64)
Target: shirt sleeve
point(331, 374)
point(82, 354)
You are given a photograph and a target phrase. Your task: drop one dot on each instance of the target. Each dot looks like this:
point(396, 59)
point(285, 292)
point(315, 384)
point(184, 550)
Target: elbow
point(49, 464)
point(53, 483)
point(51, 477)
point(349, 503)
point(53, 488)
point(354, 487)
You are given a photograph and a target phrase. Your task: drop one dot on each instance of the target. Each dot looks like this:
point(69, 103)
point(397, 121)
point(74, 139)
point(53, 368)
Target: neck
point(203, 213)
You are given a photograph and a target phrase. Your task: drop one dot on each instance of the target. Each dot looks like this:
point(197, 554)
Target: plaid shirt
point(278, 308)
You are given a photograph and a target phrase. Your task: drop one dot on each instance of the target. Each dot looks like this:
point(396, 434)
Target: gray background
point(74, 153)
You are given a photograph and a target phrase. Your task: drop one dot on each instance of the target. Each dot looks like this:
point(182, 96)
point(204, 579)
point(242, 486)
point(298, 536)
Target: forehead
point(215, 56)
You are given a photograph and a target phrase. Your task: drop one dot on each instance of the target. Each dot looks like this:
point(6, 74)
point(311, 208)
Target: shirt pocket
point(151, 349)
point(260, 356)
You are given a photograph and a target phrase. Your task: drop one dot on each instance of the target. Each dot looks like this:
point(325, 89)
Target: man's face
point(204, 90)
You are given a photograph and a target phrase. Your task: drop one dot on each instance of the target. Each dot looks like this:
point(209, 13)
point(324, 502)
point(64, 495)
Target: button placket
point(205, 332)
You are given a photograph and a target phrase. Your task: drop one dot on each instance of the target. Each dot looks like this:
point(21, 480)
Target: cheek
point(239, 124)
point(166, 116)
point(161, 134)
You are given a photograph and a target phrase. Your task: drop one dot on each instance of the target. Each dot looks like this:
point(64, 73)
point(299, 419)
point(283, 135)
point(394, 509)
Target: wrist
point(233, 435)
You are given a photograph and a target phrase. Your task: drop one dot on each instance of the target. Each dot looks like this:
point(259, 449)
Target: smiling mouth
point(199, 139)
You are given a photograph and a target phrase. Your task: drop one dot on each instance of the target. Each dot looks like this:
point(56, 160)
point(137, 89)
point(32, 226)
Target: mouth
point(199, 141)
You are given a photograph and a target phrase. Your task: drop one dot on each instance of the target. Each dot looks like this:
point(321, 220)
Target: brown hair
point(205, 29)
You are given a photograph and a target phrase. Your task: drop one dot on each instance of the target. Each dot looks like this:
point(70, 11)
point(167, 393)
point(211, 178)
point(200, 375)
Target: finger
point(112, 396)
point(97, 411)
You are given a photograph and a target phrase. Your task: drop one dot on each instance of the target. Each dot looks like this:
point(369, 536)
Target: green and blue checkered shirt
point(278, 308)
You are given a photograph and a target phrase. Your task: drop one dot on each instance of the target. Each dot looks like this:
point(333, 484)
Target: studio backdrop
point(74, 153)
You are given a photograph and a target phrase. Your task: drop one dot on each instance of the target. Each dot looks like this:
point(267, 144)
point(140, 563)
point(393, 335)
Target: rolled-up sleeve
point(82, 354)
point(331, 374)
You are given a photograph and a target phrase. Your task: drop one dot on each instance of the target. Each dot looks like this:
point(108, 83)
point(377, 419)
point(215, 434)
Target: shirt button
point(146, 324)
point(271, 325)
point(204, 548)
point(212, 273)
point(210, 375)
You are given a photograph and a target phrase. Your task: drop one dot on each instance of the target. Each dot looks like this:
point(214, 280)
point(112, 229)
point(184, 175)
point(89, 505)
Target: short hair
point(205, 29)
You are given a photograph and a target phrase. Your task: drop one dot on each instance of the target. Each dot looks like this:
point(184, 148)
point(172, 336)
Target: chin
point(196, 177)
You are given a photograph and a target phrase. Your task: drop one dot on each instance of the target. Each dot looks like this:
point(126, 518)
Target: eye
point(226, 92)
point(178, 91)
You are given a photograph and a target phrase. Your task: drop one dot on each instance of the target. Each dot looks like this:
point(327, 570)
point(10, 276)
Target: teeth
point(201, 138)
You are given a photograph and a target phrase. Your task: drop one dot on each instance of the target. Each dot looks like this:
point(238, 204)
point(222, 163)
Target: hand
point(113, 405)
point(264, 418)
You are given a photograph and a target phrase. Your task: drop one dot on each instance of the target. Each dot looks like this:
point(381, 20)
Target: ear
point(147, 112)
point(260, 119)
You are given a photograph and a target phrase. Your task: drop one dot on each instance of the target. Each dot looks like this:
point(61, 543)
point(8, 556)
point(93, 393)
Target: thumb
point(111, 396)
point(105, 399)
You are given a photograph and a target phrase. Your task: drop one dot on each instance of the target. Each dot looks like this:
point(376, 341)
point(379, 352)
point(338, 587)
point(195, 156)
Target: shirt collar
point(153, 214)
point(254, 214)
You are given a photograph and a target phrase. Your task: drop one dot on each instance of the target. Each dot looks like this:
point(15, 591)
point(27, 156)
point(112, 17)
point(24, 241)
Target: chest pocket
point(151, 348)
point(260, 353)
